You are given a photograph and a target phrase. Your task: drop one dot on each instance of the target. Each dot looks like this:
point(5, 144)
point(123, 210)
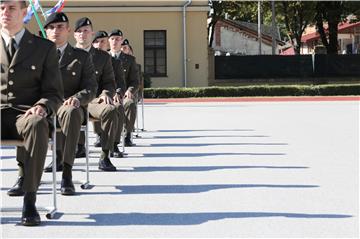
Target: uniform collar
point(18, 36)
point(62, 48)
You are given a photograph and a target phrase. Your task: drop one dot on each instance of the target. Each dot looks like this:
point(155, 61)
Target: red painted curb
point(255, 99)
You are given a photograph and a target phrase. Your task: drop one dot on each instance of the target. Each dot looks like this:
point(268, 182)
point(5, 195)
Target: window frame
point(155, 49)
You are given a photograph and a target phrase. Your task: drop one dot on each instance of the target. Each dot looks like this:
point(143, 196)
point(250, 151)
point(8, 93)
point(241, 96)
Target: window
point(155, 53)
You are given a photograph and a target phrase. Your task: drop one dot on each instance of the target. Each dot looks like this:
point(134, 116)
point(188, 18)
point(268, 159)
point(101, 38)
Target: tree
point(332, 13)
point(217, 12)
point(296, 17)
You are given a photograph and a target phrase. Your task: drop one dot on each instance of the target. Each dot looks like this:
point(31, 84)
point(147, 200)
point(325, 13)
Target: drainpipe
point(184, 42)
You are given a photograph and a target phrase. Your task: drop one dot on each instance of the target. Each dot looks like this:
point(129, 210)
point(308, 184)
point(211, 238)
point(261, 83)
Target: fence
point(277, 67)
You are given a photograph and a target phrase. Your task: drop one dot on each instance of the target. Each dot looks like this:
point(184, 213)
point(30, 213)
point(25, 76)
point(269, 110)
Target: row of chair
point(52, 209)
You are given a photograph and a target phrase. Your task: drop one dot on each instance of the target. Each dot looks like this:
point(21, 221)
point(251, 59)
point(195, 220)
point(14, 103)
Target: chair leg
point(86, 184)
point(53, 210)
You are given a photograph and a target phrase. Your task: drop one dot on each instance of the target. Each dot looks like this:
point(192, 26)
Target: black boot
point(17, 190)
point(59, 164)
point(67, 186)
point(30, 216)
point(97, 143)
point(105, 163)
point(128, 141)
point(81, 151)
point(116, 153)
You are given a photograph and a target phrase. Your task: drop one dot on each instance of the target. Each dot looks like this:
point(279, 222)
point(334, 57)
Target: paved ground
point(216, 169)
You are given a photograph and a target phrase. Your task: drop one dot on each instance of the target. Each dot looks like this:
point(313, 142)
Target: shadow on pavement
point(163, 219)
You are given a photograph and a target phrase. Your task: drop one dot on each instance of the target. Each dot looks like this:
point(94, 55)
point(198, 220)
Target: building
point(241, 38)
point(348, 39)
point(156, 32)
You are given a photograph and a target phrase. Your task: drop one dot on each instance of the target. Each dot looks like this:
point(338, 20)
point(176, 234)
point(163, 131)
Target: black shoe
point(97, 143)
point(106, 165)
point(128, 142)
point(30, 216)
point(59, 165)
point(17, 190)
point(81, 151)
point(116, 153)
point(67, 187)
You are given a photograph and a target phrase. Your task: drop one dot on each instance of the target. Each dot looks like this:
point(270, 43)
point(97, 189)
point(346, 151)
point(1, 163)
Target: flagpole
point(42, 11)
point(37, 19)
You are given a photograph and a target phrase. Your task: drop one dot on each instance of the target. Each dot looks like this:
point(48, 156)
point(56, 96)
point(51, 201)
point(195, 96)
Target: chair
point(85, 128)
point(51, 210)
point(138, 99)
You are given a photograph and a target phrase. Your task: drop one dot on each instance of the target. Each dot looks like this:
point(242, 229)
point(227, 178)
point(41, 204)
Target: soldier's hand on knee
point(129, 95)
point(117, 99)
point(106, 99)
point(72, 101)
point(36, 110)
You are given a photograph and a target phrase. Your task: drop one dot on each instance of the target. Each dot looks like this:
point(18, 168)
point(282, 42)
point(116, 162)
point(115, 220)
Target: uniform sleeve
point(88, 82)
point(52, 91)
point(132, 80)
point(108, 78)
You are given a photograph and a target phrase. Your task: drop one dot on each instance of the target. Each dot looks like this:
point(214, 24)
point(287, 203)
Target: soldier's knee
point(110, 111)
point(37, 122)
point(72, 112)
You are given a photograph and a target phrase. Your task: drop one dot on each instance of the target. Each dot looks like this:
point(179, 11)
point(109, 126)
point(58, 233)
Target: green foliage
point(147, 80)
point(291, 17)
point(258, 90)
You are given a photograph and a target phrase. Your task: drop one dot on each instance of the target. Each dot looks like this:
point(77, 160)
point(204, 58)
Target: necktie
point(59, 54)
point(11, 48)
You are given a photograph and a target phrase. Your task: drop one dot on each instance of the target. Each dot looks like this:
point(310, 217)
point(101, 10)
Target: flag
point(30, 12)
point(57, 8)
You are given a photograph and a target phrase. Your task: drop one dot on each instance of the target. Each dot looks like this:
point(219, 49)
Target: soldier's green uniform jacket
point(104, 71)
point(126, 73)
point(33, 77)
point(78, 75)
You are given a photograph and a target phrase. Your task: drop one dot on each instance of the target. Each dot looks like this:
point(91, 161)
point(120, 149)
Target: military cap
point(82, 22)
point(55, 18)
point(116, 32)
point(100, 34)
point(125, 42)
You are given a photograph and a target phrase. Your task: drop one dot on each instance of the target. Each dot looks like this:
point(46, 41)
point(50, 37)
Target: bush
point(147, 80)
point(258, 90)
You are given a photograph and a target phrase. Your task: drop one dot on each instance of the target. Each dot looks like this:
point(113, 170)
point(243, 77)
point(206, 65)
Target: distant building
point(155, 31)
point(348, 39)
point(241, 38)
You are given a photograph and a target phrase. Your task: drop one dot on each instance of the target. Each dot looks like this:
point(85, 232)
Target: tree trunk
point(211, 30)
point(332, 48)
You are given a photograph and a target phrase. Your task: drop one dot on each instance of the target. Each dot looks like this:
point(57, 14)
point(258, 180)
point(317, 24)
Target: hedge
point(258, 90)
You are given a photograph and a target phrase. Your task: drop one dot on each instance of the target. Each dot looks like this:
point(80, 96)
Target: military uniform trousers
point(130, 114)
point(34, 130)
point(121, 121)
point(70, 120)
point(107, 125)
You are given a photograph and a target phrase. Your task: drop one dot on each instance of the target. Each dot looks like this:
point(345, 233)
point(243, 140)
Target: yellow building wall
point(133, 25)
point(197, 50)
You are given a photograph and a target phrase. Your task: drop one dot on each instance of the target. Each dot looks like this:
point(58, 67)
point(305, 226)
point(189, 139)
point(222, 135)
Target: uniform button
point(10, 94)
point(33, 67)
point(11, 71)
point(11, 82)
point(96, 72)
point(73, 73)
